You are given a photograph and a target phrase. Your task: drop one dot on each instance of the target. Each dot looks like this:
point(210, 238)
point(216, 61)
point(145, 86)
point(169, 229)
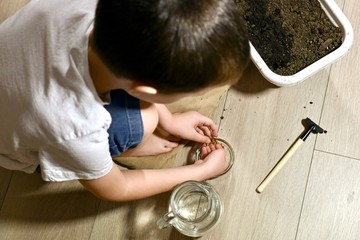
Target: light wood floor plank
point(262, 122)
point(9, 7)
point(332, 201)
point(134, 220)
point(341, 109)
point(33, 209)
point(5, 177)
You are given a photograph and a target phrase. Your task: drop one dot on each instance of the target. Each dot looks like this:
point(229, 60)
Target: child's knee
point(150, 118)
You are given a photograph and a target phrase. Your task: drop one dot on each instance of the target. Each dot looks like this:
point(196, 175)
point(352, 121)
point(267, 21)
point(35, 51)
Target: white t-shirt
point(50, 113)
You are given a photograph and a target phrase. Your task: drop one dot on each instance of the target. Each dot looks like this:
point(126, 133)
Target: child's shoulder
point(53, 8)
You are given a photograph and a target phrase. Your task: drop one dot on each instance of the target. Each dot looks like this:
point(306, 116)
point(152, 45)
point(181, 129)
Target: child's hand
point(193, 126)
point(214, 159)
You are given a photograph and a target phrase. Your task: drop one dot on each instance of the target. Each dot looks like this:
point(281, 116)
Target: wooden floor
point(315, 196)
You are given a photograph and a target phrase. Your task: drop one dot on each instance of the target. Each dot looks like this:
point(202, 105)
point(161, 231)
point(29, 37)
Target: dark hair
point(172, 45)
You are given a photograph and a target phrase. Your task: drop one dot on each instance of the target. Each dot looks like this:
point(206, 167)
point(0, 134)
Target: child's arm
point(129, 185)
point(188, 125)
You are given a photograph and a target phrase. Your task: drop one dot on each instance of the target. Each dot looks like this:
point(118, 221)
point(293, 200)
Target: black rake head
point(310, 127)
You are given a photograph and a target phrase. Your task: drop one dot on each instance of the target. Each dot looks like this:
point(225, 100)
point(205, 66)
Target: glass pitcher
point(194, 208)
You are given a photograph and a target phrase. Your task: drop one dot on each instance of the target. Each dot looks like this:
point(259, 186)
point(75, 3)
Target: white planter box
point(339, 19)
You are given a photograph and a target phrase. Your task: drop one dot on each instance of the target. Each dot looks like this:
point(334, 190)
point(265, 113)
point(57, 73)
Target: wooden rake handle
point(279, 165)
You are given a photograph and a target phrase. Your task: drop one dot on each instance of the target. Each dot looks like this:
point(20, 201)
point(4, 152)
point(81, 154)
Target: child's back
point(50, 112)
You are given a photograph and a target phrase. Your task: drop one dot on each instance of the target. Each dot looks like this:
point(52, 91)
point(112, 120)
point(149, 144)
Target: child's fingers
point(211, 132)
point(206, 131)
point(210, 125)
point(208, 148)
point(218, 146)
point(201, 136)
point(199, 130)
point(205, 150)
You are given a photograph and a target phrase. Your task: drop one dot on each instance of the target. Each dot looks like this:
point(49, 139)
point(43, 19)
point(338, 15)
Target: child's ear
point(142, 89)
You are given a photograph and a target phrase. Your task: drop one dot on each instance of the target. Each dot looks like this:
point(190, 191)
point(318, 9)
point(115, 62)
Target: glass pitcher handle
point(164, 222)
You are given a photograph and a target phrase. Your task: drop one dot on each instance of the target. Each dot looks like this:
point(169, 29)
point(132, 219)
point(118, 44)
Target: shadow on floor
point(253, 82)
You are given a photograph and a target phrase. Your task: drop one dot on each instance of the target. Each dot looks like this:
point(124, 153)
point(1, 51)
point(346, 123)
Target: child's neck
point(103, 79)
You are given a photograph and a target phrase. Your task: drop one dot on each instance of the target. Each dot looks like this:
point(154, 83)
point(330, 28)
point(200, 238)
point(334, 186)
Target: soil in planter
point(289, 35)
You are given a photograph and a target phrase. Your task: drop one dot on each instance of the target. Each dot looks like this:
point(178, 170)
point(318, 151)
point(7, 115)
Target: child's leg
point(154, 141)
point(133, 128)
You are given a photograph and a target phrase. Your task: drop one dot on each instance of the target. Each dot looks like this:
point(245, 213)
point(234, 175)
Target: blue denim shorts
point(126, 129)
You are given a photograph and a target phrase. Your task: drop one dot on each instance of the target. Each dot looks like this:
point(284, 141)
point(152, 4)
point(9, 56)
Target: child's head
point(172, 45)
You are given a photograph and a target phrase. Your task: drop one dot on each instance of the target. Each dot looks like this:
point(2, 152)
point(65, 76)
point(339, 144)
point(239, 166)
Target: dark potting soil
point(289, 34)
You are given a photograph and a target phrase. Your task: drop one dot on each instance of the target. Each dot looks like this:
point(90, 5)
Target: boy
point(58, 68)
